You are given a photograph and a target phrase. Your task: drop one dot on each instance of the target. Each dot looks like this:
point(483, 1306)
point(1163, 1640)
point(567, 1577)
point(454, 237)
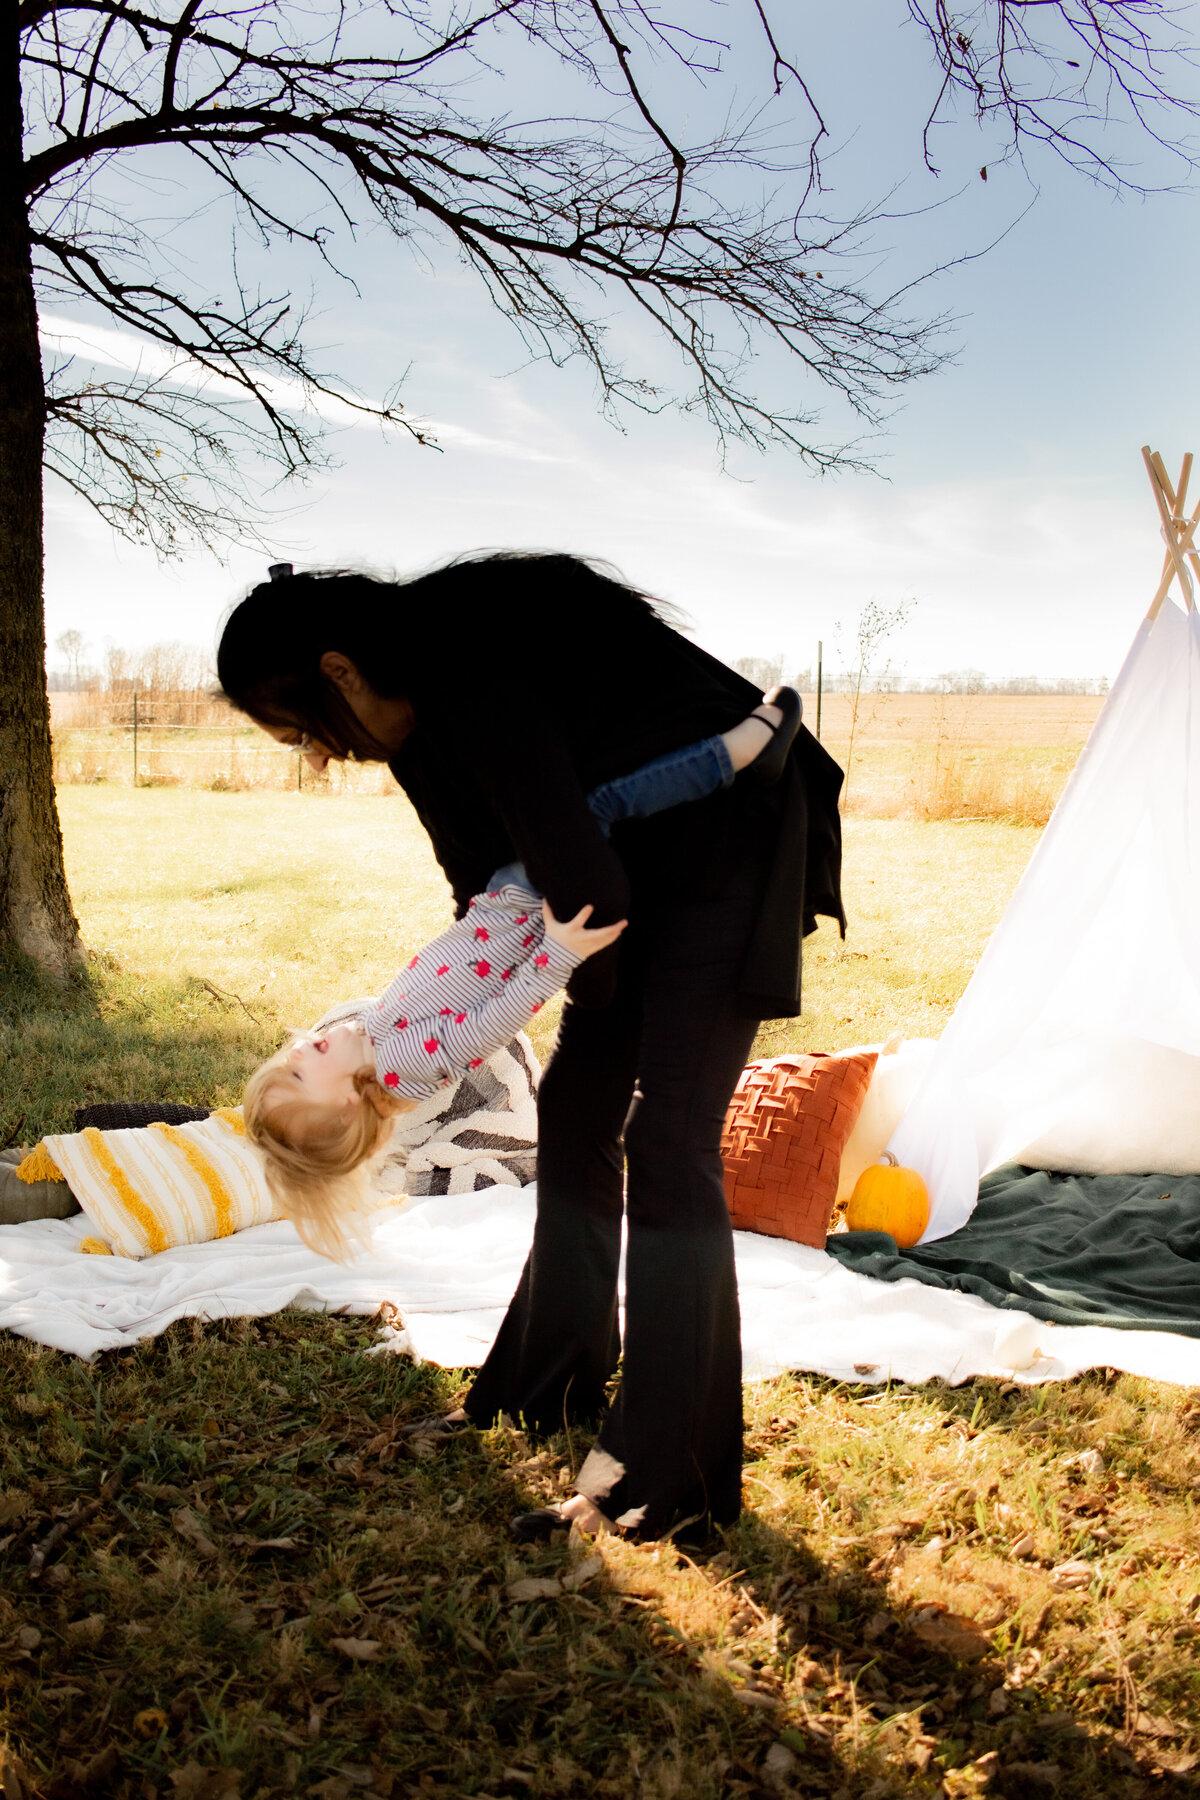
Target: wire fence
point(150, 741)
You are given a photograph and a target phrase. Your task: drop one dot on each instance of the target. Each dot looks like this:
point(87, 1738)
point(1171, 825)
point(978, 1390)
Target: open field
point(281, 1599)
point(946, 756)
point(293, 901)
point(927, 756)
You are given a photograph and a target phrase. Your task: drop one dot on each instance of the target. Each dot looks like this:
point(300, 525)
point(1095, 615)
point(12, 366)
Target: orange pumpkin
point(889, 1198)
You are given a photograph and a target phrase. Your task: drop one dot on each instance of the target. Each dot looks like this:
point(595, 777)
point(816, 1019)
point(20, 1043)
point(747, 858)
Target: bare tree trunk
point(35, 907)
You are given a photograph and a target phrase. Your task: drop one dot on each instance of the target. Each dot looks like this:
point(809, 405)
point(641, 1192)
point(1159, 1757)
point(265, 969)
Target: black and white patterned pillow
point(480, 1133)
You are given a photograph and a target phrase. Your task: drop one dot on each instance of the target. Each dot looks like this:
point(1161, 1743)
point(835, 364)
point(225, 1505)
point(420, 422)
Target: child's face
point(321, 1065)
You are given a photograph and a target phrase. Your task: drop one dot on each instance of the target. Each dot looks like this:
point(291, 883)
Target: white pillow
point(1137, 1112)
point(902, 1062)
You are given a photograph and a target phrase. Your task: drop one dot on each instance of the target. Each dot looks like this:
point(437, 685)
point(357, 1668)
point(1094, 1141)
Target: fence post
point(300, 772)
point(820, 681)
point(135, 698)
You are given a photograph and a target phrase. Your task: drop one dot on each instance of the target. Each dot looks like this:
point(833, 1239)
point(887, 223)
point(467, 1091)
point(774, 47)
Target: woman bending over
point(500, 691)
point(323, 1106)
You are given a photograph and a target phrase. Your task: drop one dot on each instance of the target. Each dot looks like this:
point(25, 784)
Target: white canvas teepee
point(1077, 1042)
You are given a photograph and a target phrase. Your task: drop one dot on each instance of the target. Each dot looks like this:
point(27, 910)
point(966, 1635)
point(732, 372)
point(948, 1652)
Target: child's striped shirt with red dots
point(466, 993)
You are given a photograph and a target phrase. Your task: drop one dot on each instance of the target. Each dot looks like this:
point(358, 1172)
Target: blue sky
point(1011, 503)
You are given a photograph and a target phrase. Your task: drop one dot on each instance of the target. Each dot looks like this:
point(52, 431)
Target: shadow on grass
point(285, 1599)
point(113, 1035)
point(1064, 1687)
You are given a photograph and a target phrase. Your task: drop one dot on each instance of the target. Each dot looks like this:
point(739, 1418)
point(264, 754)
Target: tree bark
point(36, 917)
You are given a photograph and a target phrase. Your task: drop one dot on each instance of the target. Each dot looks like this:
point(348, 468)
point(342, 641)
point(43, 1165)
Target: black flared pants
point(630, 1114)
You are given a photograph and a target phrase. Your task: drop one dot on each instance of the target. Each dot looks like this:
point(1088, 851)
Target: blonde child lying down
point(324, 1105)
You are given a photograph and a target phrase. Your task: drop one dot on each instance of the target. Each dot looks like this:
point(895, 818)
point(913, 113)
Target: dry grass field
point(925, 756)
point(224, 1577)
point(956, 756)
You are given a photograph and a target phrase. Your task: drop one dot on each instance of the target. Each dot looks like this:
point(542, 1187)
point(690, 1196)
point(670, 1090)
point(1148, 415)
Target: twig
point(224, 994)
point(77, 1517)
point(11, 1139)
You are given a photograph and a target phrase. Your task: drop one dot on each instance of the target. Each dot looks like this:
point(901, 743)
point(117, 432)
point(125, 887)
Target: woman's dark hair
point(268, 660)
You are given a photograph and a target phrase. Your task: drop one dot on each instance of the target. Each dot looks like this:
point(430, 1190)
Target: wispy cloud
point(131, 354)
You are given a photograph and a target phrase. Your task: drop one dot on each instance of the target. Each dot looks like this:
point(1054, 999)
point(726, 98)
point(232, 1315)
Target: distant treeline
point(175, 684)
point(768, 671)
point(116, 672)
point(184, 672)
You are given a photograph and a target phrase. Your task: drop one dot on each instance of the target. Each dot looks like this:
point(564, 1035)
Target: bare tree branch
point(1063, 73)
point(311, 125)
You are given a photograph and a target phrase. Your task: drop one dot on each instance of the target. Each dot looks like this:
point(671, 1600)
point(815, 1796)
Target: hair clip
point(280, 571)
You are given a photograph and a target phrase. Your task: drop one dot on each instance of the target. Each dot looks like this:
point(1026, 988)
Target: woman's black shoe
point(768, 764)
point(537, 1527)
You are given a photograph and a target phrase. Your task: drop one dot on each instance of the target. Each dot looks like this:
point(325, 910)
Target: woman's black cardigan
point(533, 691)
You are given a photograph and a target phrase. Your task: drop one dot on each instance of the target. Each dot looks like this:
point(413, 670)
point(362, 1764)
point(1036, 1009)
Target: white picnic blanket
point(450, 1262)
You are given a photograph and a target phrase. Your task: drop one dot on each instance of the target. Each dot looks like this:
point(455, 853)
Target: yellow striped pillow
point(151, 1188)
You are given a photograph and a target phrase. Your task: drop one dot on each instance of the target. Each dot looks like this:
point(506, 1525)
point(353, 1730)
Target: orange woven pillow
point(782, 1145)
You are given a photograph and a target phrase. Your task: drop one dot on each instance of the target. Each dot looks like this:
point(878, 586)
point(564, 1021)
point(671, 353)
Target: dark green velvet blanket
point(1079, 1249)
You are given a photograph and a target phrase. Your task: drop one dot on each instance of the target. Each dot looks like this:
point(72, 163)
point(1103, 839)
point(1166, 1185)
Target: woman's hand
point(574, 934)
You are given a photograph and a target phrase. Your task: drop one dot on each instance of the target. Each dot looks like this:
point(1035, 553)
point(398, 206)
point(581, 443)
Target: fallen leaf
point(514, 1682)
point(13, 1776)
point(753, 1697)
point(1023, 1667)
point(582, 1573)
point(191, 1528)
point(535, 1587)
point(358, 1649)
point(876, 1625)
point(779, 1762)
point(1176, 1762)
point(149, 1722)
point(1023, 1548)
point(952, 1633)
point(29, 1637)
point(1070, 1575)
point(1045, 1774)
point(1090, 1461)
point(194, 1782)
point(475, 1643)
point(89, 1630)
point(242, 1541)
point(865, 1368)
point(1154, 1725)
point(95, 1771)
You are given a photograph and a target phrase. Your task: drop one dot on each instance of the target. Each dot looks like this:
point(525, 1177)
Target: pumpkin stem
point(889, 1160)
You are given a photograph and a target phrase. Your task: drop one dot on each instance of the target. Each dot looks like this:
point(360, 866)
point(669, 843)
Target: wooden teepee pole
point(1178, 530)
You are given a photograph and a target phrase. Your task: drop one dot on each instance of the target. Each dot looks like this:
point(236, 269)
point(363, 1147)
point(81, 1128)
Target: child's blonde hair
point(315, 1154)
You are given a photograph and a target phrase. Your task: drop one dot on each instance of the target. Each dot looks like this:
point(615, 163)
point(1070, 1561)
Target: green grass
point(294, 901)
point(283, 1599)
